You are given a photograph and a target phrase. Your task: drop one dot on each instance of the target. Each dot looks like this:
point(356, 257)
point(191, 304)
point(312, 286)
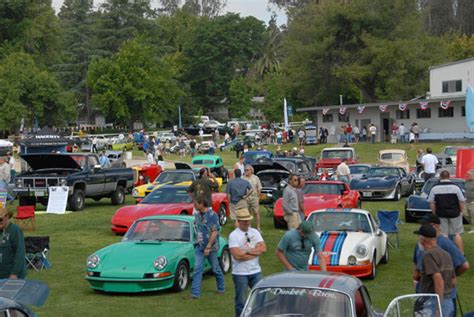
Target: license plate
point(367, 194)
point(39, 194)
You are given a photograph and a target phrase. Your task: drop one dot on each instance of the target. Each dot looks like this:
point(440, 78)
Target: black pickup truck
point(80, 172)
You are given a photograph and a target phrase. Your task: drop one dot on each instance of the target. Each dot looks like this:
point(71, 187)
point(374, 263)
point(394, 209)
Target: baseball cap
point(426, 231)
point(243, 214)
point(430, 219)
point(308, 229)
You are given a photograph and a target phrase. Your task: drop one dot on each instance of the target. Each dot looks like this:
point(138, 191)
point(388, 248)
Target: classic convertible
point(319, 195)
point(351, 241)
point(327, 294)
point(385, 183)
point(417, 206)
point(156, 253)
point(166, 200)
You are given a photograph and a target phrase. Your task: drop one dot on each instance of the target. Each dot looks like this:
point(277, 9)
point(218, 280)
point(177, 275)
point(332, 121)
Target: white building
point(441, 115)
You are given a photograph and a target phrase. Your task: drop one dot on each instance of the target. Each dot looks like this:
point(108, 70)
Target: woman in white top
point(240, 165)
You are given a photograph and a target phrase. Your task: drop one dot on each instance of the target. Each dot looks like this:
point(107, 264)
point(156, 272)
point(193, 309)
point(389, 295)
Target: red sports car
point(166, 200)
point(321, 195)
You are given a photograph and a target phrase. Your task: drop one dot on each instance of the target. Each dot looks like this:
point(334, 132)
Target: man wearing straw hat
point(246, 245)
point(12, 248)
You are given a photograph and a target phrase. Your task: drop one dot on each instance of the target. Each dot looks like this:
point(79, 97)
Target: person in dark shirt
point(12, 248)
point(204, 185)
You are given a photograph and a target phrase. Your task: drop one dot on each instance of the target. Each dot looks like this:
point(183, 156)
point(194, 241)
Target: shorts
point(252, 203)
point(241, 204)
point(293, 220)
point(469, 212)
point(451, 225)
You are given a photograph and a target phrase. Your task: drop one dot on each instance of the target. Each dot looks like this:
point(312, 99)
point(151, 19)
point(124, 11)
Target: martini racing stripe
point(331, 242)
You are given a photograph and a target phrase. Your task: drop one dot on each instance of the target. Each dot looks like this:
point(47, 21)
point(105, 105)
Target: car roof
point(360, 165)
point(206, 157)
point(354, 210)
point(392, 151)
point(171, 217)
point(338, 148)
point(290, 159)
point(312, 279)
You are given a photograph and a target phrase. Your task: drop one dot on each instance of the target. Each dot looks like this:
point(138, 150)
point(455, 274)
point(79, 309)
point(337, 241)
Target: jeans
point(373, 138)
point(241, 284)
point(343, 178)
point(199, 269)
point(447, 307)
point(4, 187)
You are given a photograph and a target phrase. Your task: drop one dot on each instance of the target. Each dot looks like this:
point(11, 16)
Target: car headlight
point(160, 263)
point(135, 192)
point(19, 182)
point(63, 182)
point(361, 251)
point(93, 261)
point(351, 260)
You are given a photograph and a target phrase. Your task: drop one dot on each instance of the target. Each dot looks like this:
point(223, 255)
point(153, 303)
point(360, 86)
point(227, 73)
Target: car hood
point(138, 260)
point(43, 161)
point(375, 182)
point(125, 216)
point(418, 202)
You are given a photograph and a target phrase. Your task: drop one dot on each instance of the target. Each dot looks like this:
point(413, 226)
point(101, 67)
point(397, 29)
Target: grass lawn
point(74, 236)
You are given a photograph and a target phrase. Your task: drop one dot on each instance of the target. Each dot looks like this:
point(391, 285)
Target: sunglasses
point(247, 237)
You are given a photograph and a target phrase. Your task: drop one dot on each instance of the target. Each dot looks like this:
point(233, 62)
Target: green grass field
point(74, 236)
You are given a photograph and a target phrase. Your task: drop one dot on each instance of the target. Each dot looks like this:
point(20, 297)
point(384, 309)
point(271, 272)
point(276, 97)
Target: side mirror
point(378, 233)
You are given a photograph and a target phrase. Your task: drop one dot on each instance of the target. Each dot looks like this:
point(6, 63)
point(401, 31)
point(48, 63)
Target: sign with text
point(57, 200)
point(3, 199)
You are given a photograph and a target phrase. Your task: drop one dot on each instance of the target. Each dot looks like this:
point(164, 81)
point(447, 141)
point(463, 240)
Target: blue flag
point(470, 107)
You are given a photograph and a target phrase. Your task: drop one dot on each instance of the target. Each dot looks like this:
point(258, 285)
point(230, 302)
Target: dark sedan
point(384, 183)
point(417, 205)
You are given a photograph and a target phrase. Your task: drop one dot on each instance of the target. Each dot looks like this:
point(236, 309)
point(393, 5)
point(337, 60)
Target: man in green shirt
point(12, 248)
point(294, 248)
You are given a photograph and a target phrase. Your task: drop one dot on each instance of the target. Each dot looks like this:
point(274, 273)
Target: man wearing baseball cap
point(460, 263)
point(294, 248)
point(436, 273)
point(246, 245)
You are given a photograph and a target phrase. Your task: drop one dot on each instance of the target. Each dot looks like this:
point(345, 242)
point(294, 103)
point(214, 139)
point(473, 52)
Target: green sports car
point(156, 253)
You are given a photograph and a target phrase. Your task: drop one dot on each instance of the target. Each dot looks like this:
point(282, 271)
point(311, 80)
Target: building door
point(385, 126)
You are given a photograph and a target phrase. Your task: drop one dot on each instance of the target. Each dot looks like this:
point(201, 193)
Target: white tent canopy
point(5, 143)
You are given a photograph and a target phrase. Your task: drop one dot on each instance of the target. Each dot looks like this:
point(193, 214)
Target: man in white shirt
point(356, 132)
point(149, 158)
point(301, 135)
point(343, 173)
point(246, 245)
point(373, 132)
point(429, 162)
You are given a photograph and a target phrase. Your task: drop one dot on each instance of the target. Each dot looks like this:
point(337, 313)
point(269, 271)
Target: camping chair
point(37, 249)
point(388, 222)
point(25, 217)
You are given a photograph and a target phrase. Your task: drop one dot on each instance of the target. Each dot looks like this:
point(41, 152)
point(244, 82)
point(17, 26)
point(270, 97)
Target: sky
point(257, 8)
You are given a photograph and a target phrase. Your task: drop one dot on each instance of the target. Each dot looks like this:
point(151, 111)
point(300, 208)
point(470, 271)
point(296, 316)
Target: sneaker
point(194, 297)
point(471, 231)
point(220, 292)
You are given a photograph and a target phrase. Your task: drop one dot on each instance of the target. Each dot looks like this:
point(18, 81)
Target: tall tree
point(205, 8)
point(241, 95)
point(31, 92)
point(134, 85)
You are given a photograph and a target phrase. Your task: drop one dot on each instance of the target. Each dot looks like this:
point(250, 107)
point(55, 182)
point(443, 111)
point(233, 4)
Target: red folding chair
point(25, 217)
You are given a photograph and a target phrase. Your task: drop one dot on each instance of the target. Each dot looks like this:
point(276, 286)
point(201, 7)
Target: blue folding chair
point(388, 222)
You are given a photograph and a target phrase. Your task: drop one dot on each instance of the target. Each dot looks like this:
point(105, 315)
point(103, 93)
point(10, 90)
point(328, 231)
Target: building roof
point(452, 63)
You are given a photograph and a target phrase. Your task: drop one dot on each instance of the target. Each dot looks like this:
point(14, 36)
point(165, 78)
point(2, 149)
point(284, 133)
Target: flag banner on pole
point(383, 108)
point(403, 106)
point(445, 104)
point(325, 111)
point(469, 107)
point(360, 109)
point(342, 110)
point(424, 105)
point(285, 114)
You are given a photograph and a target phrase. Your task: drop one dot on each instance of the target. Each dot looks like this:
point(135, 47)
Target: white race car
point(350, 240)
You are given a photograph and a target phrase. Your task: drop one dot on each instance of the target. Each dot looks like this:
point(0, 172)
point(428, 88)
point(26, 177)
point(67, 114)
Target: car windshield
point(382, 172)
point(159, 230)
point(451, 151)
point(297, 301)
point(433, 181)
point(204, 162)
point(255, 156)
point(357, 169)
point(340, 221)
point(167, 195)
point(331, 189)
point(391, 156)
point(174, 177)
point(336, 154)
point(291, 166)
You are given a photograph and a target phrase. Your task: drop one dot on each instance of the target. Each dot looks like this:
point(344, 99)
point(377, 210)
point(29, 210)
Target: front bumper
point(119, 229)
point(377, 194)
point(117, 285)
point(37, 192)
point(362, 270)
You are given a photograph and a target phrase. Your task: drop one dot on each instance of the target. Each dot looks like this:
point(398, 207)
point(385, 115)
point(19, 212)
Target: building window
point(327, 117)
point(463, 111)
point(446, 113)
point(421, 114)
point(452, 86)
point(403, 114)
point(344, 117)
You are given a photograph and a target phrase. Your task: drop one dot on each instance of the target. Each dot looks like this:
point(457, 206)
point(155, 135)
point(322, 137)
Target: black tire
point(27, 201)
point(181, 277)
point(183, 213)
point(408, 217)
point(118, 196)
point(412, 190)
point(373, 273)
point(225, 261)
point(397, 196)
point(222, 213)
point(77, 200)
point(386, 255)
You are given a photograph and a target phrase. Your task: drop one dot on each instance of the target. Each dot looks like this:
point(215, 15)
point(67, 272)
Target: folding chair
point(25, 217)
point(37, 249)
point(388, 222)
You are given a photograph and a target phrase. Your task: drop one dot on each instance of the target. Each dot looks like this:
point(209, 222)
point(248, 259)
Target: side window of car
point(92, 161)
point(402, 172)
point(367, 301)
point(372, 222)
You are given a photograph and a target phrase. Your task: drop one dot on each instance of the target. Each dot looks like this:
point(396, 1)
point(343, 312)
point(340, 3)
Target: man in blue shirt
point(207, 228)
point(104, 160)
point(460, 263)
point(238, 190)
